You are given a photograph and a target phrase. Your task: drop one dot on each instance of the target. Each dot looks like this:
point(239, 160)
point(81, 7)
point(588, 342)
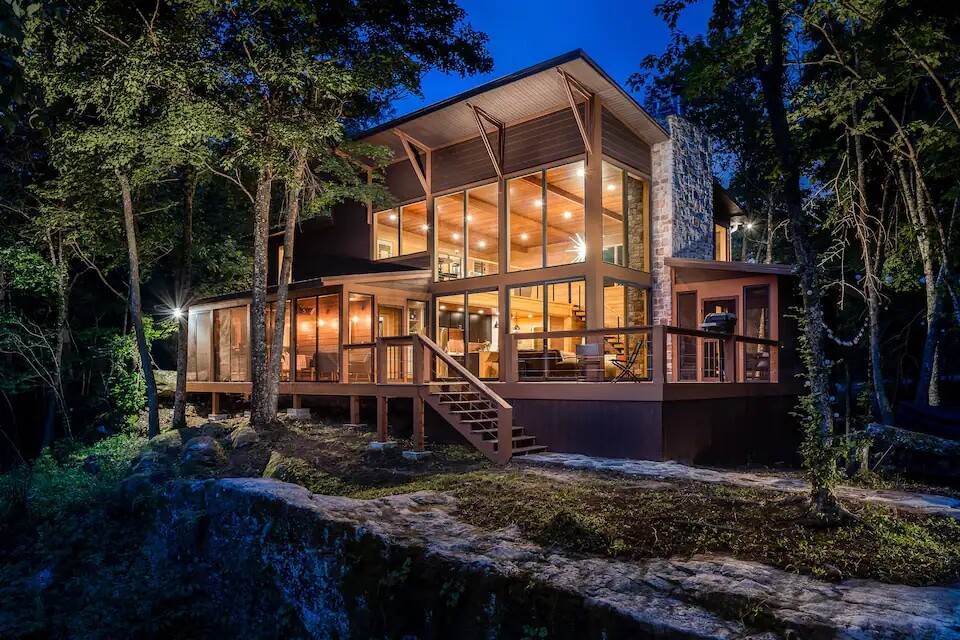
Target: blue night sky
point(616, 34)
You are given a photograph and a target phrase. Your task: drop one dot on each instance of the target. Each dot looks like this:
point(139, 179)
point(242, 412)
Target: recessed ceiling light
point(456, 236)
point(469, 217)
point(425, 227)
point(443, 307)
point(611, 187)
point(579, 172)
point(524, 236)
point(480, 311)
point(567, 215)
point(529, 315)
point(538, 202)
point(393, 216)
point(460, 309)
point(482, 244)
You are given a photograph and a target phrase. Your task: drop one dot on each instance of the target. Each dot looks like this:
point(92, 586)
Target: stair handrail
point(504, 410)
point(474, 381)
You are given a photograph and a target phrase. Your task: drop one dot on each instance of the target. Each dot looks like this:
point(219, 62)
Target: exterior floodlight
point(177, 313)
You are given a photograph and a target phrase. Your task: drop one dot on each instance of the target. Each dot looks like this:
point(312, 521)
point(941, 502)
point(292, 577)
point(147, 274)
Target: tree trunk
point(822, 465)
point(259, 399)
point(56, 400)
point(768, 259)
point(182, 296)
point(289, 229)
point(136, 309)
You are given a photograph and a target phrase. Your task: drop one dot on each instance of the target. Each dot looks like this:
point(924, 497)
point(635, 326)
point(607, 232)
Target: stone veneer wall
point(682, 216)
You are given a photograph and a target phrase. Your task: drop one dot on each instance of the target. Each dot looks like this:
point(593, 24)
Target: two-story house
point(542, 280)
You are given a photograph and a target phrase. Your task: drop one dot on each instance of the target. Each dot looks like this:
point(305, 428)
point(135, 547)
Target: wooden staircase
point(470, 406)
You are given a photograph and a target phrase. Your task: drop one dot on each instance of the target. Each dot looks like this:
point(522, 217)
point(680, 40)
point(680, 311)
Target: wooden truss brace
point(410, 145)
point(571, 85)
point(482, 116)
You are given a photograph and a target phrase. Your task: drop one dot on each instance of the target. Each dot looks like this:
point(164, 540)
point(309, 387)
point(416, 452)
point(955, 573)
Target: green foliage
point(125, 382)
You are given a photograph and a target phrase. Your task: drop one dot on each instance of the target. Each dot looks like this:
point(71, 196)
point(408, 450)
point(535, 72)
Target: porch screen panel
point(285, 353)
point(360, 312)
point(240, 340)
point(326, 362)
point(204, 320)
point(687, 318)
point(306, 346)
point(231, 348)
point(756, 324)
point(565, 214)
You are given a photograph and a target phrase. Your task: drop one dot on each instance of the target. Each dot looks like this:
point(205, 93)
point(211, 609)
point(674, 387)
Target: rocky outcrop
point(243, 436)
point(406, 567)
point(201, 452)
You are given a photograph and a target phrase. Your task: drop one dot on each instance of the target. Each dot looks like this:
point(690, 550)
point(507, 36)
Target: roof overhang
point(721, 269)
point(515, 98)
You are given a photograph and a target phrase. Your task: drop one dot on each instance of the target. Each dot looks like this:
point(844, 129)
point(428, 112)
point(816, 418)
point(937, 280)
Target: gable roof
point(513, 98)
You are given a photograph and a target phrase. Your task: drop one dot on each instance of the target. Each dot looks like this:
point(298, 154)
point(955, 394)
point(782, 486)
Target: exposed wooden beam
point(571, 85)
point(408, 146)
point(496, 158)
point(566, 195)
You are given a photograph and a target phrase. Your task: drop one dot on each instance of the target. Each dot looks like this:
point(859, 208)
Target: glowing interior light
point(456, 236)
point(524, 236)
point(321, 322)
point(443, 307)
point(482, 244)
point(579, 172)
point(469, 217)
point(579, 248)
point(567, 215)
point(425, 227)
point(611, 187)
point(460, 309)
point(480, 311)
point(355, 319)
point(537, 202)
point(529, 315)
point(393, 216)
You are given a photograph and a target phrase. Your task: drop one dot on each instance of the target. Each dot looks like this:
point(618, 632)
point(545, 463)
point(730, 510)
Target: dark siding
point(621, 143)
point(609, 429)
point(345, 233)
point(552, 137)
point(403, 182)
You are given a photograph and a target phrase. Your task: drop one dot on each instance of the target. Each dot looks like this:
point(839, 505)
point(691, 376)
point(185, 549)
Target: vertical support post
point(593, 217)
point(419, 374)
point(380, 351)
point(345, 333)
point(418, 431)
point(729, 346)
point(215, 403)
point(297, 404)
point(381, 418)
point(508, 357)
point(354, 409)
point(504, 434)
point(659, 343)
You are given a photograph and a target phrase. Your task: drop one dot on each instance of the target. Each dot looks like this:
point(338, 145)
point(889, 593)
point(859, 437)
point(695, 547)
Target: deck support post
point(381, 418)
point(729, 346)
point(658, 343)
point(354, 409)
point(215, 403)
point(418, 431)
point(297, 403)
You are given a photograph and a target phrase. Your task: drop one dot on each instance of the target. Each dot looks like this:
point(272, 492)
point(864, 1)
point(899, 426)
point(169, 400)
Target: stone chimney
point(682, 216)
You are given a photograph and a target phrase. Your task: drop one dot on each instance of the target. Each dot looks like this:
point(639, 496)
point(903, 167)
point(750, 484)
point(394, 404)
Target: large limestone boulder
point(243, 436)
point(202, 452)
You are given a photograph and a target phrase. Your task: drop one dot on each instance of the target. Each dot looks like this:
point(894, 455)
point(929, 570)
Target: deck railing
point(657, 353)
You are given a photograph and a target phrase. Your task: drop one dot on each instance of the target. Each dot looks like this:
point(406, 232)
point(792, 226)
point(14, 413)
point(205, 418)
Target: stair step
point(478, 420)
point(464, 402)
point(522, 451)
point(494, 431)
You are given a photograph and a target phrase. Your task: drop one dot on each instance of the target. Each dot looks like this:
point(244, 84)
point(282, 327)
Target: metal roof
point(514, 98)
point(735, 266)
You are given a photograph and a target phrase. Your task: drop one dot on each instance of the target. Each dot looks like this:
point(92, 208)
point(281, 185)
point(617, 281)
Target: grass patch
point(611, 518)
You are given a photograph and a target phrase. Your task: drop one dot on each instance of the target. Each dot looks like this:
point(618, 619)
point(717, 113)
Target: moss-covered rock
point(168, 442)
point(243, 436)
point(201, 452)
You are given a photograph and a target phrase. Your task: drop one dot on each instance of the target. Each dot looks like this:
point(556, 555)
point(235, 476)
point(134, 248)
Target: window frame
point(398, 209)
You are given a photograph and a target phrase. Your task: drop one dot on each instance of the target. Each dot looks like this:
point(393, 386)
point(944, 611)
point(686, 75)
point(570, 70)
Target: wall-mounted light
point(177, 313)
point(580, 172)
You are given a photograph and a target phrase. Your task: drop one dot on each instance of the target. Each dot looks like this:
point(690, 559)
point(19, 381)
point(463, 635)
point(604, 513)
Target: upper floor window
point(546, 218)
point(467, 232)
point(626, 228)
point(401, 231)
point(721, 243)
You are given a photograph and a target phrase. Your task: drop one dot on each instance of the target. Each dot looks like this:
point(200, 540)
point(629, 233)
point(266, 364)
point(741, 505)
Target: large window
point(360, 312)
point(401, 231)
point(198, 346)
point(317, 338)
point(626, 228)
point(230, 344)
point(721, 243)
point(285, 353)
point(555, 306)
point(546, 218)
point(468, 329)
point(467, 224)
point(624, 305)
point(756, 324)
